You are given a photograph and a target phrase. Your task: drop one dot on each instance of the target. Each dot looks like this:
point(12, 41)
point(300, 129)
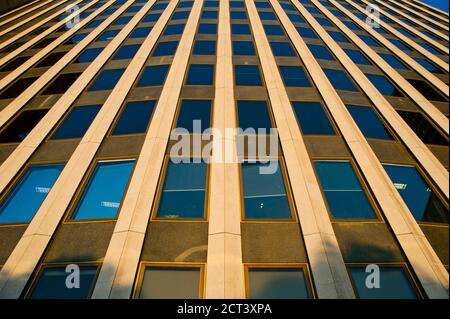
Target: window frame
point(119, 115)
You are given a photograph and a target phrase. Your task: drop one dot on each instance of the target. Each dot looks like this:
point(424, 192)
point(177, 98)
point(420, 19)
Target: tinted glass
point(253, 114)
point(107, 80)
point(240, 29)
point(174, 29)
point(126, 52)
point(153, 75)
point(243, 48)
point(134, 118)
point(392, 61)
point(368, 122)
point(21, 126)
point(27, 195)
point(312, 118)
point(165, 48)
point(207, 28)
point(200, 74)
point(103, 194)
point(340, 80)
point(294, 76)
point(194, 110)
point(272, 29)
point(77, 122)
point(61, 84)
point(204, 47)
point(247, 75)
point(88, 55)
point(383, 85)
point(320, 52)
point(357, 57)
point(140, 32)
point(282, 49)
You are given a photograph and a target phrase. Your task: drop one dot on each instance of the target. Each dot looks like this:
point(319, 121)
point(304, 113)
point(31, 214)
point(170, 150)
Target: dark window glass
point(88, 55)
point(77, 122)
point(61, 84)
point(211, 4)
point(282, 49)
point(152, 17)
point(204, 47)
point(182, 4)
point(134, 118)
point(15, 89)
point(320, 52)
point(383, 85)
point(357, 57)
point(261, 5)
point(170, 283)
point(183, 193)
point(265, 194)
point(292, 16)
point(294, 76)
point(162, 6)
point(207, 28)
point(324, 22)
point(400, 44)
point(423, 129)
point(277, 283)
point(240, 29)
point(140, 32)
point(194, 110)
point(107, 80)
point(243, 48)
point(51, 283)
point(174, 29)
point(368, 122)
point(392, 61)
point(43, 43)
point(134, 9)
point(340, 80)
point(427, 65)
point(77, 38)
point(25, 198)
point(267, 15)
point(421, 200)
point(338, 37)
point(272, 29)
point(370, 41)
point(426, 90)
point(126, 52)
point(254, 114)
point(14, 64)
point(200, 74)
point(238, 15)
point(180, 15)
point(247, 75)
point(343, 192)
point(104, 192)
point(153, 75)
point(51, 59)
point(209, 15)
point(237, 4)
point(306, 33)
point(394, 284)
point(122, 20)
point(108, 35)
point(429, 48)
point(21, 126)
point(351, 25)
point(165, 48)
point(312, 118)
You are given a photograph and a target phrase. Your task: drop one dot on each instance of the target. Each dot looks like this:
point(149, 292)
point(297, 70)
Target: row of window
point(185, 281)
point(184, 186)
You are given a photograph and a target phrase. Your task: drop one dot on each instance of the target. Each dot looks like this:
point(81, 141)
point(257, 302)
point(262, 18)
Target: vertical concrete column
point(224, 269)
point(121, 262)
point(18, 15)
point(327, 265)
point(33, 243)
point(423, 259)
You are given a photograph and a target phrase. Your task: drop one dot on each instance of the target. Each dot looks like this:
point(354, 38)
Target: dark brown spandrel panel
point(438, 238)
point(9, 237)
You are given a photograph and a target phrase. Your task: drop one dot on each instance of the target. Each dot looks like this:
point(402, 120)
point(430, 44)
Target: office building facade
point(123, 173)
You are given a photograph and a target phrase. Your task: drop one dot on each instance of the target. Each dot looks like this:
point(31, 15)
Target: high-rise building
point(123, 173)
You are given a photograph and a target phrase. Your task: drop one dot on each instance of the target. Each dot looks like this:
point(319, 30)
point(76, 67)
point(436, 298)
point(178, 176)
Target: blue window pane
point(429, 48)
point(392, 61)
point(126, 52)
point(174, 29)
point(103, 194)
point(267, 15)
point(194, 110)
point(51, 283)
point(277, 283)
point(368, 122)
point(77, 122)
point(343, 192)
point(271, 29)
point(152, 17)
point(340, 80)
point(394, 284)
point(320, 52)
point(306, 33)
point(134, 9)
point(338, 37)
point(209, 15)
point(401, 45)
point(240, 29)
point(295, 18)
point(153, 75)
point(88, 55)
point(28, 194)
point(421, 200)
point(211, 4)
point(247, 75)
point(238, 15)
point(254, 114)
point(243, 48)
point(140, 32)
point(108, 35)
point(165, 48)
point(357, 57)
point(265, 194)
point(312, 118)
point(294, 76)
point(204, 47)
point(369, 41)
point(383, 85)
point(282, 49)
point(200, 74)
point(207, 28)
point(324, 22)
point(162, 6)
point(427, 65)
point(134, 118)
point(262, 5)
point(183, 194)
point(122, 20)
point(180, 15)
point(184, 4)
point(237, 4)
point(95, 23)
point(106, 80)
point(77, 38)
point(351, 25)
